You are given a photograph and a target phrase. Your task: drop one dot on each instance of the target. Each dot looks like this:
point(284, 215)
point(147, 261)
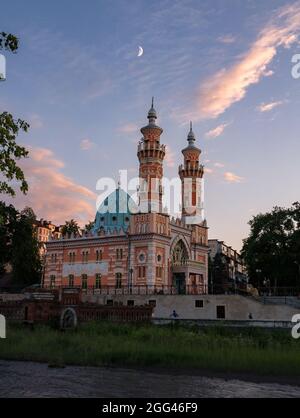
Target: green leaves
point(19, 245)
point(10, 152)
point(272, 250)
point(9, 42)
point(71, 227)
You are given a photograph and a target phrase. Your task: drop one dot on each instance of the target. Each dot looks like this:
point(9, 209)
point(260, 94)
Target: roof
point(114, 212)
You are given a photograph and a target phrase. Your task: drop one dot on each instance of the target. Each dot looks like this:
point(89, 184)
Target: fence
point(279, 291)
point(141, 290)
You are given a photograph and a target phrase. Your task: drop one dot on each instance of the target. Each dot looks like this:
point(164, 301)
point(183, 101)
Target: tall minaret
point(151, 154)
point(191, 173)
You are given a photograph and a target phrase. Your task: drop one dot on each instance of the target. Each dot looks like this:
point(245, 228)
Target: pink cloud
point(86, 144)
point(267, 107)
point(128, 128)
point(208, 170)
point(52, 194)
point(214, 133)
point(230, 85)
point(227, 39)
point(232, 178)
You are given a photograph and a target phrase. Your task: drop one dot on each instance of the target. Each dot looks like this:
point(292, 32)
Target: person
point(174, 314)
point(250, 316)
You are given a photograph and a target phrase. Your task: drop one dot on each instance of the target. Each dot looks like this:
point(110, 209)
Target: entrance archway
point(179, 259)
point(68, 319)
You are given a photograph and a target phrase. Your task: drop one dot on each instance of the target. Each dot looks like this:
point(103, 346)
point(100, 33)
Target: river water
point(26, 379)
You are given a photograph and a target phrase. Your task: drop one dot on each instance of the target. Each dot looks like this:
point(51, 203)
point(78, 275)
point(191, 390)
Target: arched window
point(98, 255)
point(98, 281)
point(71, 280)
point(84, 281)
point(179, 254)
point(118, 280)
point(52, 281)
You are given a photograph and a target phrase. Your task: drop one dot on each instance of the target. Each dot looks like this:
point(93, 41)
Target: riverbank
point(20, 379)
point(214, 351)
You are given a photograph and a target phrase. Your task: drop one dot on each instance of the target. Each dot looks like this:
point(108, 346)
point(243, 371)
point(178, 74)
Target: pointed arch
point(182, 238)
point(179, 253)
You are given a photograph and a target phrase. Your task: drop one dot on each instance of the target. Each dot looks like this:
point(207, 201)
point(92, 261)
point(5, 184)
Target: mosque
point(140, 248)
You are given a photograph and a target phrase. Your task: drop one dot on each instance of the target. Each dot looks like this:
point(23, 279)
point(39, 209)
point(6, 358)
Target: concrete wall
point(6, 297)
point(236, 307)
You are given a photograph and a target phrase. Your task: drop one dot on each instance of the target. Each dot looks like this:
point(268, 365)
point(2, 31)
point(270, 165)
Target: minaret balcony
point(150, 146)
point(190, 170)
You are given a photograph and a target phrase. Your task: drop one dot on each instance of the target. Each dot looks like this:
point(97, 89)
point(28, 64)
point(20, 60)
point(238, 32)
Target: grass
point(253, 350)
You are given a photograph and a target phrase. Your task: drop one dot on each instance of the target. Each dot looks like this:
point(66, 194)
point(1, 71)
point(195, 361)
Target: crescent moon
point(141, 51)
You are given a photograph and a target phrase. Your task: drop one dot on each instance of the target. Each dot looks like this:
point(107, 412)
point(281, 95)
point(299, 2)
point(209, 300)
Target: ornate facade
point(140, 248)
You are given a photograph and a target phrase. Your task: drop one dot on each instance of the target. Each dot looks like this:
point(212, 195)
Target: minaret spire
point(152, 116)
point(191, 173)
point(191, 136)
point(151, 154)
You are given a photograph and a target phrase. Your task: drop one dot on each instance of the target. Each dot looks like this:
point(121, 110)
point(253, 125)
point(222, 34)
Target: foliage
point(29, 213)
point(19, 245)
point(9, 42)
point(25, 258)
point(8, 216)
point(218, 272)
point(70, 227)
point(10, 151)
point(272, 250)
point(89, 226)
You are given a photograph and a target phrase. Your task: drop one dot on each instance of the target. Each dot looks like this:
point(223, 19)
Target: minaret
point(191, 174)
point(151, 154)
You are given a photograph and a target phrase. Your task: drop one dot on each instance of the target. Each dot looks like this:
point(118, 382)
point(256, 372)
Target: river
point(27, 379)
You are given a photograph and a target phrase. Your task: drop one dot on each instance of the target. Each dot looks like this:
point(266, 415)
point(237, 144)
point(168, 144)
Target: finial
point(152, 113)
point(191, 136)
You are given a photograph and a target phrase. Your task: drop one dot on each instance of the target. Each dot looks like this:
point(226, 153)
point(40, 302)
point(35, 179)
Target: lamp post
point(298, 264)
point(130, 280)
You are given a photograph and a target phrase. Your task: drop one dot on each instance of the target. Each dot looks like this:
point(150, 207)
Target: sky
point(225, 65)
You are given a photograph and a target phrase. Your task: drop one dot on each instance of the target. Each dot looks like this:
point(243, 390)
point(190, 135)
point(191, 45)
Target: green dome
point(114, 212)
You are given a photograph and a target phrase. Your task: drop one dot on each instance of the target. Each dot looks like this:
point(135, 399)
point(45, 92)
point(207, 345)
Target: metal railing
point(140, 290)
point(278, 291)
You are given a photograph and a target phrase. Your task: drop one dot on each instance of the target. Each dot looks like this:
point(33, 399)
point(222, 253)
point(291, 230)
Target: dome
point(114, 212)
point(152, 113)
point(152, 116)
point(191, 140)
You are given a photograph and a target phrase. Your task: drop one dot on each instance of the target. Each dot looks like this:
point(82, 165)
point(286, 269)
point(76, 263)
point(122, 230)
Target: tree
point(271, 251)
point(9, 42)
point(89, 226)
point(218, 273)
point(25, 256)
point(19, 245)
point(29, 213)
point(10, 151)
point(8, 216)
point(70, 227)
